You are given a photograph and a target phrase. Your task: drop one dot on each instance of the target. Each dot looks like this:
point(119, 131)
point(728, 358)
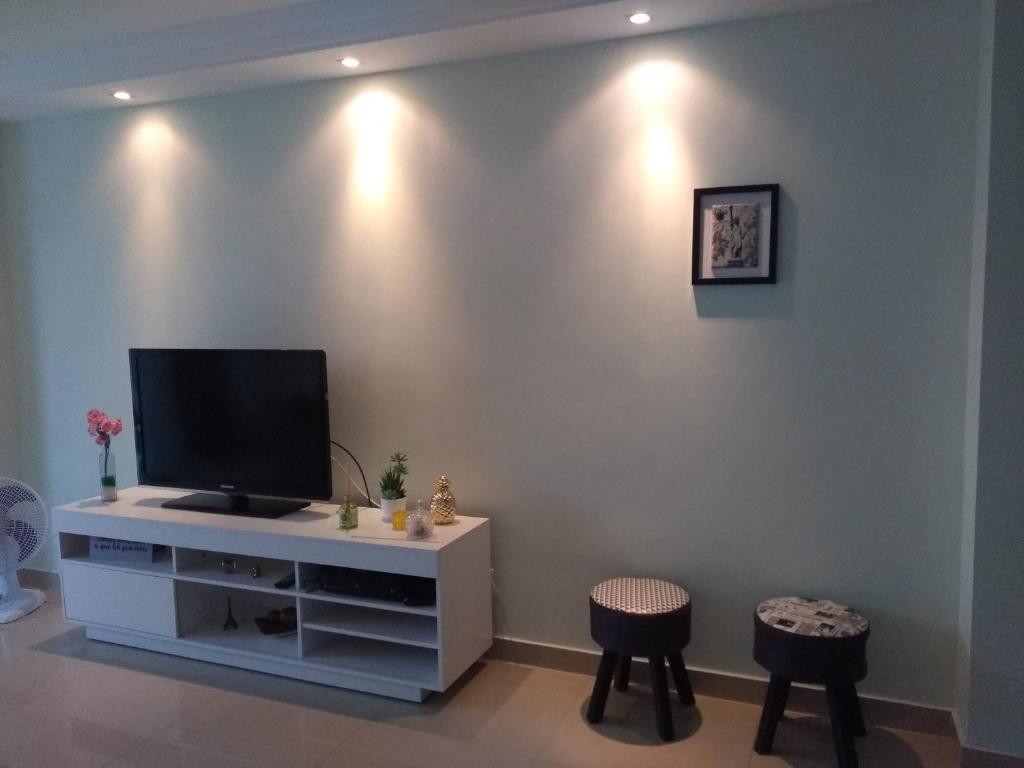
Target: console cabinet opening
point(381, 659)
point(371, 623)
point(231, 569)
point(76, 548)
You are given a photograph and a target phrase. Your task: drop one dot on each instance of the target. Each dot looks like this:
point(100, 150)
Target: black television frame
point(251, 501)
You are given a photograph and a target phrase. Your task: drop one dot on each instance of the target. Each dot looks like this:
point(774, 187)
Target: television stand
point(236, 504)
point(175, 600)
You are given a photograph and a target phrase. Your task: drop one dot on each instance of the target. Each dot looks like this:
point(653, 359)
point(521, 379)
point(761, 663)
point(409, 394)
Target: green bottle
point(348, 515)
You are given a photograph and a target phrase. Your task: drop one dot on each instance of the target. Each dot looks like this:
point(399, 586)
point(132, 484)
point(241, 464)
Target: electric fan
point(22, 532)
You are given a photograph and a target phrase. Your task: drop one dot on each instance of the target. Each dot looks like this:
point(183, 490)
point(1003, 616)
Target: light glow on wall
point(650, 80)
point(655, 92)
point(151, 140)
point(149, 167)
point(152, 175)
point(153, 147)
point(372, 117)
point(626, 144)
point(370, 168)
point(661, 154)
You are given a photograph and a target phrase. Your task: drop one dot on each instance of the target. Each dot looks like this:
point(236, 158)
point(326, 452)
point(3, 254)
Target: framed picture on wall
point(734, 234)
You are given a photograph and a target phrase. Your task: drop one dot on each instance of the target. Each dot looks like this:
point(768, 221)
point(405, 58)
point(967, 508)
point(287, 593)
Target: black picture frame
point(743, 193)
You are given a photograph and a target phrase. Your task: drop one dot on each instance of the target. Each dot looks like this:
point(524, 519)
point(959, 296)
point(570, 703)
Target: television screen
point(234, 421)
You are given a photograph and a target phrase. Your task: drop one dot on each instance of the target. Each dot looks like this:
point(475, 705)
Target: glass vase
point(348, 515)
point(419, 524)
point(108, 476)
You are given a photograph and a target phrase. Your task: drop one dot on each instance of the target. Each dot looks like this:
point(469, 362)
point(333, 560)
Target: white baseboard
point(882, 711)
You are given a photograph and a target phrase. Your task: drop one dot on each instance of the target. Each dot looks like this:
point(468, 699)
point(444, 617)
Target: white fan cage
point(23, 527)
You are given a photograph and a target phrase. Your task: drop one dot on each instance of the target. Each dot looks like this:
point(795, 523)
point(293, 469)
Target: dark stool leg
point(842, 726)
point(783, 697)
point(682, 680)
point(622, 673)
point(853, 707)
point(603, 681)
point(662, 708)
point(771, 713)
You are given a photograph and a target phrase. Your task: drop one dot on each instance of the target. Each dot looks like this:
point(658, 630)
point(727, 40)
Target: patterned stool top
point(813, 618)
point(641, 596)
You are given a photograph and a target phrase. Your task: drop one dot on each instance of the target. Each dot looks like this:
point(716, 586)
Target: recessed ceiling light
point(349, 61)
point(640, 17)
point(122, 95)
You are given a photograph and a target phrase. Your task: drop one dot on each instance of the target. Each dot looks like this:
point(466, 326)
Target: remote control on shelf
point(285, 582)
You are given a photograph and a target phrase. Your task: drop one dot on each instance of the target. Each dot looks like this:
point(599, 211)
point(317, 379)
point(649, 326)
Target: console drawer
point(135, 601)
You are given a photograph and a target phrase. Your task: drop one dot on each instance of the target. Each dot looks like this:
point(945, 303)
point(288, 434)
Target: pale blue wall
point(990, 704)
point(9, 465)
point(497, 263)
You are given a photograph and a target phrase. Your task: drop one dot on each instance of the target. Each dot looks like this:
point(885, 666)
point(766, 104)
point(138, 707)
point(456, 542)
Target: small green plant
point(391, 483)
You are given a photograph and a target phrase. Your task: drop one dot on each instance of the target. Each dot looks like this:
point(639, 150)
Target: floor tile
point(349, 757)
point(27, 674)
point(42, 735)
point(886, 747)
point(806, 742)
point(155, 754)
point(468, 756)
point(24, 673)
point(39, 625)
point(129, 701)
point(504, 708)
point(403, 747)
point(715, 733)
point(256, 730)
point(74, 645)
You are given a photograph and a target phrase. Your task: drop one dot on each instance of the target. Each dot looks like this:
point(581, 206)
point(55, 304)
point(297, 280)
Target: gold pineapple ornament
point(442, 503)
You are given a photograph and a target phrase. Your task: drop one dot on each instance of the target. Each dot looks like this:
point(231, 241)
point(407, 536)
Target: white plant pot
point(388, 507)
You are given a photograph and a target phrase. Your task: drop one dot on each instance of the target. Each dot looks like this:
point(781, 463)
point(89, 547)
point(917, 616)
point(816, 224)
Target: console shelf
point(366, 602)
point(178, 602)
point(372, 624)
point(161, 565)
point(205, 567)
point(363, 656)
point(247, 640)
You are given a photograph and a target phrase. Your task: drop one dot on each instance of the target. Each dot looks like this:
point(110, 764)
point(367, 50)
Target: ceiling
point(67, 55)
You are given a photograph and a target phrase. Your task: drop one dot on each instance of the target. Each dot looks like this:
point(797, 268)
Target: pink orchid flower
point(102, 427)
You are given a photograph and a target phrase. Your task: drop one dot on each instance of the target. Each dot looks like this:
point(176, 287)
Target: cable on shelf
point(359, 467)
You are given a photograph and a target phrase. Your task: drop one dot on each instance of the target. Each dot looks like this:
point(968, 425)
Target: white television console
point(177, 603)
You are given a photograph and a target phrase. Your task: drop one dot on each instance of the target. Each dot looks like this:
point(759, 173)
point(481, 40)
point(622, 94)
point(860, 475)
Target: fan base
point(22, 604)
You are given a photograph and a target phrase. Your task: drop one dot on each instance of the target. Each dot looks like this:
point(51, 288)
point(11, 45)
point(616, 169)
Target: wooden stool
point(647, 618)
point(812, 641)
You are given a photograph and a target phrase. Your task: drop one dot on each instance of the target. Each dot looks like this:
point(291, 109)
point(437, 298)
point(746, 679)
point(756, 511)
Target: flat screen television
point(249, 427)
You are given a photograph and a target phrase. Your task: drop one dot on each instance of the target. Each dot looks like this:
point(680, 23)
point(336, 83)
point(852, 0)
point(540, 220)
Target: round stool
point(647, 618)
point(812, 641)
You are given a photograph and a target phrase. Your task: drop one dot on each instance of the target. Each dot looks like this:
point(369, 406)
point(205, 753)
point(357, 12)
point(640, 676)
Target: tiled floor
point(66, 701)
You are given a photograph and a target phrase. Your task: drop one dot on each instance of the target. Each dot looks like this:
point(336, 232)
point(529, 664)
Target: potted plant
point(392, 486)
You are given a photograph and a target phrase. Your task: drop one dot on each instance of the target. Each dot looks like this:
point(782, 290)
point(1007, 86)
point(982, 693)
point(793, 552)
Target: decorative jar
point(418, 523)
point(388, 507)
point(442, 504)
